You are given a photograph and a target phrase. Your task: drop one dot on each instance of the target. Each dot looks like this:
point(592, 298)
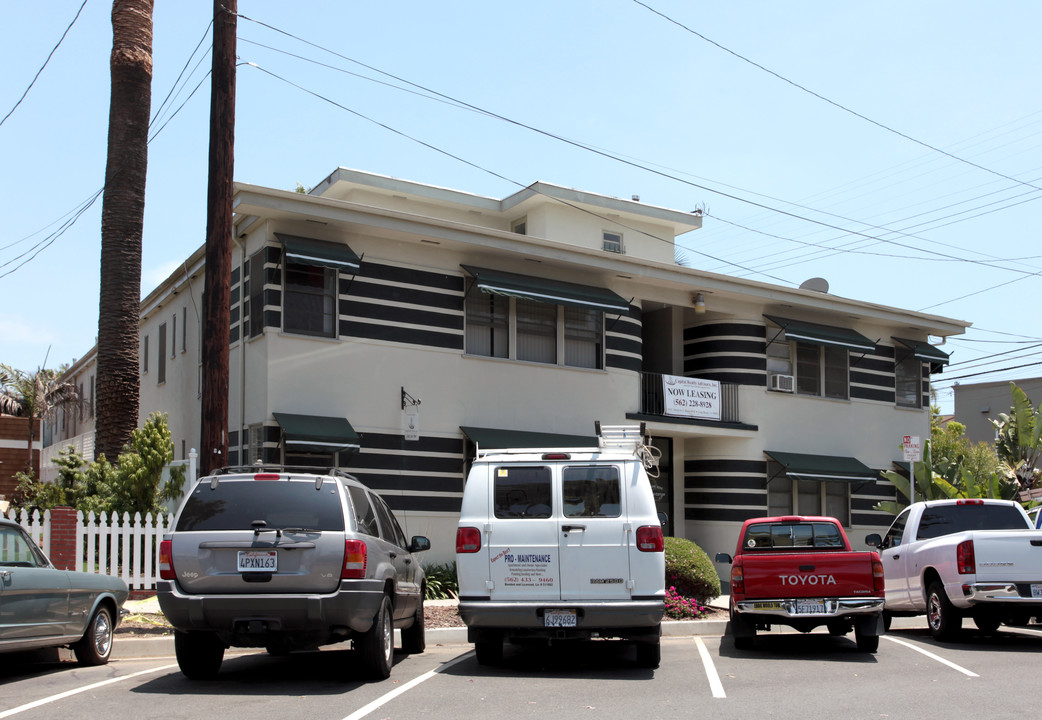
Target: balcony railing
point(652, 402)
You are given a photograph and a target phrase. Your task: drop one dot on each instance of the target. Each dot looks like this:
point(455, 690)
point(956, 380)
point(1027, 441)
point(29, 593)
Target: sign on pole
point(913, 452)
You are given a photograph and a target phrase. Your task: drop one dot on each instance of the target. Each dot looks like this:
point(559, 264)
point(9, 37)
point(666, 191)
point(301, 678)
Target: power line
point(40, 71)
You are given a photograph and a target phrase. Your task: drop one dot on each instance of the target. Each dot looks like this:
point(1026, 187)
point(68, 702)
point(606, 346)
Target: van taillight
point(649, 538)
point(737, 579)
point(468, 540)
point(166, 563)
point(964, 558)
point(355, 558)
point(878, 585)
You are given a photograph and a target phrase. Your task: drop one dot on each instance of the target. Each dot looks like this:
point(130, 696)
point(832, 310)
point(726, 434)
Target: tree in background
point(122, 223)
point(1018, 442)
point(35, 396)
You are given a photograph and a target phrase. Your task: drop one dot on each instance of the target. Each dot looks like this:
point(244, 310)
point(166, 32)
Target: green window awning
point(319, 252)
point(526, 287)
point(494, 439)
point(822, 468)
point(925, 351)
point(316, 433)
point(823, 334)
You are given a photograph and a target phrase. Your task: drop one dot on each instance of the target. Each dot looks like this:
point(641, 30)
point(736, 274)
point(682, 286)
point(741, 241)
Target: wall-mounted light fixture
point(700, 304)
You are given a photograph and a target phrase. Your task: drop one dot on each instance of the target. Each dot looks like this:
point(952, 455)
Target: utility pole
point(217, 292)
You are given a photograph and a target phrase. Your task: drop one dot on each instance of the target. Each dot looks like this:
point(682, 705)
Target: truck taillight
point(965, 559)
point(166, 563)
point(649, 538)
point(737, 579)
point(878, 585)
point(468, 540)
point(355, 558)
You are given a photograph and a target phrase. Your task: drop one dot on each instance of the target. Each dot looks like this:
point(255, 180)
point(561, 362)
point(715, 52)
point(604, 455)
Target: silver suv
point(289, 559)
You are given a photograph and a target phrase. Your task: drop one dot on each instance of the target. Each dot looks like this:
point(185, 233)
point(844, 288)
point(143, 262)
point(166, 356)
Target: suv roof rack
point(309, 469)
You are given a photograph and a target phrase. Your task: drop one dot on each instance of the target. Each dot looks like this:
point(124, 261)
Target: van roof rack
point(620, 437)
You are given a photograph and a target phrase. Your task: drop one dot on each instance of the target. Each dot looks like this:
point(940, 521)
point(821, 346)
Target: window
point(536, 331)
point(822, 370)
point(91, 406)
point(908, 371)
point(520, 226)
point(896, 532)
point(390, 530)
point(173, 337)
point(763, 536)
point(365, 517)
point(522, 492)
point(144, 356)
point(787, 496)
point(162, 354)
point(236, 504)
point(255, 444)
point(613, 242)
point(488, 325)
point(592, 491)
point(310, 300)
point(542, 332)
point(184, 328)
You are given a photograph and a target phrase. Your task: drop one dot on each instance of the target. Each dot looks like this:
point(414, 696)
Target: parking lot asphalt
point(163, 645)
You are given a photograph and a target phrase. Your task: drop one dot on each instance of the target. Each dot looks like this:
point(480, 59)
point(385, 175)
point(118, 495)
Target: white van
point(562, 543)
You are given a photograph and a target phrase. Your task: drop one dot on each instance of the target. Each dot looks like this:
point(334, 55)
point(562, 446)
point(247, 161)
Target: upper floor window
point(541, 332)
point(162, 354)
point(520, 226)
point(144, 355)
point(908, 371)
point(822, 370)
point(310, 301)
point(613, 242)
point(790, 496)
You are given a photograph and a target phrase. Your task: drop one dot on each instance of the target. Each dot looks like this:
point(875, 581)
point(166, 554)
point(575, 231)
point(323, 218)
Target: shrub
point(689, 571)
point(441, 582)
point(679, 607)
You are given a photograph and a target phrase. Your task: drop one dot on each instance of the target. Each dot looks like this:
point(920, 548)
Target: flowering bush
point(690, 571)
point(679, 607)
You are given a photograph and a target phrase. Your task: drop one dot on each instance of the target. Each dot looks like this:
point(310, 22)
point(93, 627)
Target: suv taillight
point(468, 540)
point(649, 538)
point(166, 563)
point(878, 585)
point(737, 579)
point(965, 559)
point(355, 558)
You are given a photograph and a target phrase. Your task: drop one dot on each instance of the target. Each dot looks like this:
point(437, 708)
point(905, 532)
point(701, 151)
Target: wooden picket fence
point(127, 547)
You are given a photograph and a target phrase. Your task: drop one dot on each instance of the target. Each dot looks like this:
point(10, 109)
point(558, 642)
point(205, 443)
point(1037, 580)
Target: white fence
point(127, 547)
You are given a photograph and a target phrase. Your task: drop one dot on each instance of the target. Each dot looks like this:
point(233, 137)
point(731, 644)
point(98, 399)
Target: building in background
point(393, 328)
point(976, 404)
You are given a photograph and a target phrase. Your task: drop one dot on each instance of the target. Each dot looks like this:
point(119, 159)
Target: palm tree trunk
point(122, 221)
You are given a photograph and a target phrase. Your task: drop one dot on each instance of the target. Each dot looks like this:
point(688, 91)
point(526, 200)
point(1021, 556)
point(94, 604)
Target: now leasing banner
point(691, 397)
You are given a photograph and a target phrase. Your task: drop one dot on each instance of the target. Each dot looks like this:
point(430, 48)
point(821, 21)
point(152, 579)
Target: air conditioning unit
point(782, 383)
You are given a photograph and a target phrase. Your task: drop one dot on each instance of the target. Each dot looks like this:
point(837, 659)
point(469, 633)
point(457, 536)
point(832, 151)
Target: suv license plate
point(559, 618)
point(810, 607)
point(258, 561)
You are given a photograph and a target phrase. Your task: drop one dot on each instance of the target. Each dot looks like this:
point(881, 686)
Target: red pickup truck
point(800, 571)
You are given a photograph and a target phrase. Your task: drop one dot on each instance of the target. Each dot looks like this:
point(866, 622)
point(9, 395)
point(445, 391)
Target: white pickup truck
point(950, 559)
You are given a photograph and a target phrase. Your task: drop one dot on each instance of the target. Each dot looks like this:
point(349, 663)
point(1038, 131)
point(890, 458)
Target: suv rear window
point(235, 504)
point(944, 519)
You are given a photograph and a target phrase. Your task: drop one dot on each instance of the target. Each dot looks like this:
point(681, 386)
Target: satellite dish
point(820, 285)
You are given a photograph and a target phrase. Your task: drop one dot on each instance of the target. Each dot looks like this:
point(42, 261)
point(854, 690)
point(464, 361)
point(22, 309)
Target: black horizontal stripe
point(874, 521)
point(623, 362)
point(411, 483)
point(726, 362)
point(724, 329)
point(417, 503)
point(623, 344)
point(862, 393)
point(391, 333)
point(722, 514)
point(868, 363)
point(411, 276)
point(724, 498)
point(411, 296)
point(883, 381)
point(391, 313)
point(402, 462)
point(698, 347)
point(386, 441)
point(724, 465)
point(737, 378)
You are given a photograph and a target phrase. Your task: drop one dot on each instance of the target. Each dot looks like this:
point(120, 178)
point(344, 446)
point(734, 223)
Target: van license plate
point(810, 607)
point(559, 618)
point(1036, 589)
point(258, 561)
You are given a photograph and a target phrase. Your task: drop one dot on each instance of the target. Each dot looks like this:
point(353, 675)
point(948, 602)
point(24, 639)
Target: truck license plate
point(258, 561)
point(810, 607)
point(559, 618)
point(1036, 589)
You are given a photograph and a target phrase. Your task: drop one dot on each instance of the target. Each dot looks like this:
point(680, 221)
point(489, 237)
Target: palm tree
point(122, 221)
point(35, 396)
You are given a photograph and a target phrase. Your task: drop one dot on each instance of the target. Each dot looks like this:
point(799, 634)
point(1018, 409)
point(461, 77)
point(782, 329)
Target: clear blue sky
point(897, 222)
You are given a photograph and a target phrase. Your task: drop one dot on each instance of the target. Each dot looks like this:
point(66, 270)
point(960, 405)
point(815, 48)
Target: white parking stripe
point(930, 655)
point(380, 701)
point(77, 691)
point(714, 678)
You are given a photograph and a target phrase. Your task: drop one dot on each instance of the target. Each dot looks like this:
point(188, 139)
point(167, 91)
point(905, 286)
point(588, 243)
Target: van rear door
point(593, 537)
point(524, 561)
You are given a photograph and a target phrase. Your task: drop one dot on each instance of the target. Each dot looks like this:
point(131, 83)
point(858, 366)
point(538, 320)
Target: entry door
point(524, 558)
point(593, 533)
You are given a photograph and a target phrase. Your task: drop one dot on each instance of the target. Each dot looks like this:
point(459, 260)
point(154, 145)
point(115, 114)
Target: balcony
point(653, 406)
